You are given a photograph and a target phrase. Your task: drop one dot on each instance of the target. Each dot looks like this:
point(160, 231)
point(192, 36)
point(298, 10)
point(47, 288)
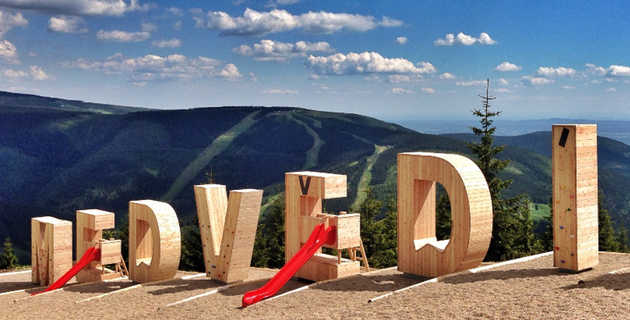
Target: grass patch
point(539, 211)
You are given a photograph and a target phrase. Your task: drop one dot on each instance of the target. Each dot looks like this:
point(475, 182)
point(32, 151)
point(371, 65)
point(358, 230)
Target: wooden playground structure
point(228, 225)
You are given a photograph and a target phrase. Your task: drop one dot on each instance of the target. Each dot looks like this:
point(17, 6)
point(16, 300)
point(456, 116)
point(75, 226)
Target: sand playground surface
point(522, 289)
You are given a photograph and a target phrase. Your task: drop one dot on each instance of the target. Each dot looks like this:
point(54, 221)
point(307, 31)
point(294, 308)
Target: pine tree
point(269, 243)
point(387, 253)
point(192, 252)
point(443, 221)
point(369, 209)
point(8, 260)
point(607, 239)
point(508, 222)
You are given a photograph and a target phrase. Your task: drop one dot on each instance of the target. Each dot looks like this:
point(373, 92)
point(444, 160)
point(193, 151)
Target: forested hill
point(10, 99)
point(54, 160)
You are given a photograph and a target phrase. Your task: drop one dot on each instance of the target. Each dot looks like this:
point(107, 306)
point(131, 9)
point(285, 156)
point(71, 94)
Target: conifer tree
point(443, 221)
point(607, 239)
point(387, 253)
point(8, 260)
point(508, 223)
point(369, 209)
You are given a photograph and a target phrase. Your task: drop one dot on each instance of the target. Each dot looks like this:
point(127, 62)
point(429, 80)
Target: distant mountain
point(55, 160)
point(9, 99)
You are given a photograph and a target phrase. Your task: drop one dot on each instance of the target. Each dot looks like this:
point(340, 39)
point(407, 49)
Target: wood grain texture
point(89, 231)
point(228, 230)
point(419, 252)
point(154, 241)
point(51, 249)
point(575, 196)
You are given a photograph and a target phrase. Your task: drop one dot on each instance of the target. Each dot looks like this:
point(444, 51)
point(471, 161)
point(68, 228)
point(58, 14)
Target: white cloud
point(536, 81)
point(464, 40)
point(122, 36)
point(611, 90)
point(270, 50)
point(447, 76)
point(399, 91)
point(401, 40)
point(568, 87)
point(38, 74)
point(555, 72)
point(399, 78)
point(253, 77)
point(149, 27)
point(277, 3)
point(506, 66)
point(254, 23)
point(175, 11)
point(503, 90)
point(593, 69)
point(8, 51)
point(364, 63)
point(281, 91)
point(503, 82)
point(471, 83)
point(9, 21)
point(172, 43)
point(66, 24)
point(373, 78)
point(177, 25)
point(14, 73)
point(157, 68)
point(428, 90)
point(618, 71)
point(76, 7)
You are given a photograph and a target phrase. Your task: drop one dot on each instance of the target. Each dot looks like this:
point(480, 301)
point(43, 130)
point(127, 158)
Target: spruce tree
point(443, 220)
point(607, 239)
point(8, 260)
point(508, 222)
point(369, 209)
point(387, 253)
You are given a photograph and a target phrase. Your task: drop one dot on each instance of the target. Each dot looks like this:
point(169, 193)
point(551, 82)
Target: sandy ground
point(525, 290)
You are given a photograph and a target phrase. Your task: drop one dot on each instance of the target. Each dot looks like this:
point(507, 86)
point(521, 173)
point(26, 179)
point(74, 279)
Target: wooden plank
point(154, 241)
point(419, 252)
point(574, 175)
point(51, 249)
point(90, 224)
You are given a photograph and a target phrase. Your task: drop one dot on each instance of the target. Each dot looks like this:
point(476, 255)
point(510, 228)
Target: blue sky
point(397, 60)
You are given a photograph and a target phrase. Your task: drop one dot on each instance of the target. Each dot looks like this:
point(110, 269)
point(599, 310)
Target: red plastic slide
point(91, 254)
point(318, 237)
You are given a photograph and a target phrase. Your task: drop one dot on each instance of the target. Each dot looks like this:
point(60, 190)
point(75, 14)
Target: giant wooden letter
point(154, 241)
point(228, 230)
point(51, 249)
point(90, 226)
point(304, 192)
point(419, 252)
point(575, 227)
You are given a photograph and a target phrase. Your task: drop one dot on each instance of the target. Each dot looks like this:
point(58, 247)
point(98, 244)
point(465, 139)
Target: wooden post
point(51, 249)
point(154, 241)
point(90, 225)
point(575, 219)
point(304, 192)
point(227, 229)
point(419, 252)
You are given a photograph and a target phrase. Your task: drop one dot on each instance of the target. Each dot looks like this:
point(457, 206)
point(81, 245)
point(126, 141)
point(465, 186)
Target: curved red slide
point(318, 237)
point(91, 254)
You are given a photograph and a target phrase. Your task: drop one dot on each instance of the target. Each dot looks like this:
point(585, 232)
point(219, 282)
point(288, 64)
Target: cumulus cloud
point(471, 83)
point(593, 69)
point(399, 78)
point(503, 90)
point(555, 72)
point(38, 74)
point(618, 71)
point(66, 24)
point(503, 82)
point(270, 50)
point(281, 91)
point(428, 90)
point(14, 73)
point(536, 81)
point(611, 90)
point(464, 40)
point(277, 3)
point(399, 91)
point(76, 7)
point(568, 87)
point(172, 43)
point(447, 76)
point(506, 66)
point(401, 40)
point(8, 51)
point(156, 68)
point(254, 23)
point(122, 36)
point(364, 63)
point(9, 21)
